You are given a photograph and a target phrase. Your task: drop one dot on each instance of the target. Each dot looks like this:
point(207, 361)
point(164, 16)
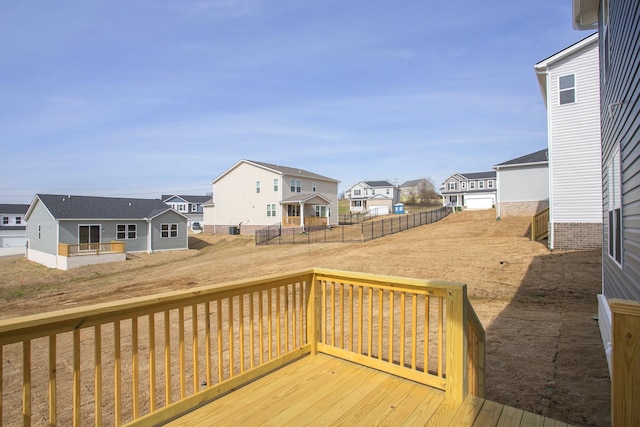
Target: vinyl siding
point(48, 241)
point(622, 129)
point(525, 183)
point(69, 232)
point(159, 243)
point(574, 142)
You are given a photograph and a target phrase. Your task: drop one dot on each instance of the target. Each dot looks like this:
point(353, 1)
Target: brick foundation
point(522, 208)
point(571, 235)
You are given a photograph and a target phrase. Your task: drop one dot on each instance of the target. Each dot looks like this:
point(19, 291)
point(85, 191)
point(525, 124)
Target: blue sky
point(148, 97)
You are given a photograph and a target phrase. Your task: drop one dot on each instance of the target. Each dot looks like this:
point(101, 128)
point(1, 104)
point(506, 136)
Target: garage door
point(479, 202)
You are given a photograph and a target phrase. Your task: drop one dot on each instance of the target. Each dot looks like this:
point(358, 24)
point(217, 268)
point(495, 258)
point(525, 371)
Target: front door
point(88, 234)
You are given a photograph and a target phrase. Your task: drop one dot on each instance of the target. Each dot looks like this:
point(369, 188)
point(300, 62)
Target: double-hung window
point(321, 211)
point(169, 231)
point(614, 185)
point(567, 89)
point(126, 231)
point(296, 185)
point(480, 185)
point(257, 186)
point(452, 186)
point(472, 185)
point(271, 209)
point(275, 184)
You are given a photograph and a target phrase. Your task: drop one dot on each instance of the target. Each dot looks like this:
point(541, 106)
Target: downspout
point(149, 236)
point(549, 157)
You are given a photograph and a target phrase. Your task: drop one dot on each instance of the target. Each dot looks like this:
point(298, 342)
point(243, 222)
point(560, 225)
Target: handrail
point(68, 250)
point(540, 225)
point(173, 351)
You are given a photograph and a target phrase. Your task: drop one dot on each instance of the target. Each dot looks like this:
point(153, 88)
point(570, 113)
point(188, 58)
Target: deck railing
point(540, 225)
point(144, 360)
point(90, 248)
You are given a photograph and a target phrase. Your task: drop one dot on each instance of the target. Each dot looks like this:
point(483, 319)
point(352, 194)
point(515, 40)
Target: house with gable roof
point(70, 231)
point(375, 197)
point(251, 195)
point(570, 85)
point(475, 190)
point(190, 206)
point(12, 228)
point(523, 185)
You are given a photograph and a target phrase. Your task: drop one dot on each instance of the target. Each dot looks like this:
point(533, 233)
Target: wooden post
point(63, 249)
point(313, 313)
point(457, 386)
point(625, 378)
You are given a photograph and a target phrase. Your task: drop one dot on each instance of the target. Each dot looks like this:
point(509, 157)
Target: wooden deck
point(325, 390)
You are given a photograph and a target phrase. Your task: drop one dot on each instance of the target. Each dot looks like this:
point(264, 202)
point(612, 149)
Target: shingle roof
point(8, 208)
point(537, 157)
point(191, 199)
point(412, 183)
point(479, 175)
point(286, 170)
point(378, 183)
point(89, 207)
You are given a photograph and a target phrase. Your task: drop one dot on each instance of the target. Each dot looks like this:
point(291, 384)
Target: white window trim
point(574, 88)
point(614, 189)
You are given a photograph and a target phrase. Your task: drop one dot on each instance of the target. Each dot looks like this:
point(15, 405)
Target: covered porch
point(306, 210)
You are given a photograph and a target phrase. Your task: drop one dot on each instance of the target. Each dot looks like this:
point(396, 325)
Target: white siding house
point(251, 195)
point(374, 197)
point(569, 82)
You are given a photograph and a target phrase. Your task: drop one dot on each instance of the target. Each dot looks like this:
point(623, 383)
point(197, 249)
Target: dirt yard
point(539, 308)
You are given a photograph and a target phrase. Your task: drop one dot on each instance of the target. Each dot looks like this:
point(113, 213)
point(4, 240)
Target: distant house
point(523, 185)
point(617, 24)
point(251, 195)
point(190, 206)
point(376, 197)
point(470, 190)
point(13, 229)
point(569, 82)
point(414, 190)
point(69, 231)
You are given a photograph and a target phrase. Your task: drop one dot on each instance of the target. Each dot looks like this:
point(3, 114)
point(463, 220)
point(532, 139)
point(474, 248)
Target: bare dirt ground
point(543, 350)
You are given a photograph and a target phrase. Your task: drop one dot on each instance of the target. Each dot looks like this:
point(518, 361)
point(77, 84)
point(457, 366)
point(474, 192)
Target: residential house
point(13, 229)
point(523, 185)
point(189, 206)
point(375, 197)
point(415, 190)
point(470, 190)
point(569, 82)
point(69, 231)
point(616, 22)
point(251, 195)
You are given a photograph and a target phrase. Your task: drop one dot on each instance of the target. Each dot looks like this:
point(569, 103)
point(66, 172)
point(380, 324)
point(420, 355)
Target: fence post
point(625, 376)
point(457, 362)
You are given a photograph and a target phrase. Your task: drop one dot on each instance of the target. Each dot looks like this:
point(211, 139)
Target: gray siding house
point(190, 206)
point(475, 190)
point(619, 34)
point(523, 185)
point(88, 224)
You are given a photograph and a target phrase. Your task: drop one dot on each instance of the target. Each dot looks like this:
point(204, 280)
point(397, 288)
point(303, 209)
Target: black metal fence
point(278, 235)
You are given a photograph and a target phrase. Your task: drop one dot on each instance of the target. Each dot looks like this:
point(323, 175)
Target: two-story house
point(251, 195)
point(13, 229)
point(189, 206)
point(569, 82)
point(470, 190)
point(374, 197)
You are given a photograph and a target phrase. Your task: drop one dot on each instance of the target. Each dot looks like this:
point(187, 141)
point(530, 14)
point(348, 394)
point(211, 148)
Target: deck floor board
point(324, 390)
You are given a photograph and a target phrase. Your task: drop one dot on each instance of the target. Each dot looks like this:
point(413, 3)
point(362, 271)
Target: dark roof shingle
point(89, 207)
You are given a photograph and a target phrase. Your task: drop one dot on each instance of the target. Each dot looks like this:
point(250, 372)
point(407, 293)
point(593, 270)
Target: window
point(39, 231)
point(271, 209)
point(169, 231)
point(490, 183)
point(5, 220)
point(452, 186)
point(356, 192)
point(257, 186)
point(194, 208)
point(296, 186)
point(321, 211)
point(275, 184)
point(567, 88)
point(463, 185)
point(388, 191)
point(480, 185)
point(615, 208)
point(314, 187)
point(126, 231)
point(472, 185)
point(357, 203)
point(293, 210)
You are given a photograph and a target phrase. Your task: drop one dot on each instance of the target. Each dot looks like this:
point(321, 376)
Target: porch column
point(302, 215)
